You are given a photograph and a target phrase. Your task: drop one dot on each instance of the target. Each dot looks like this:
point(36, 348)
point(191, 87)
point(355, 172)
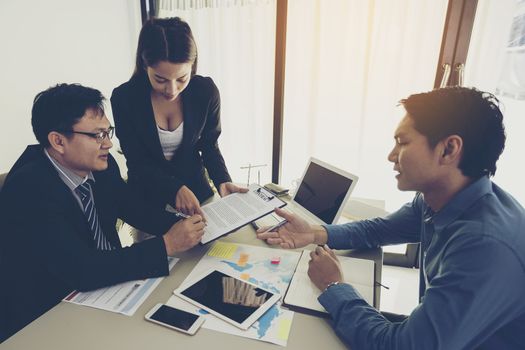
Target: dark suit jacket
point(46, 246)
point(157, 178)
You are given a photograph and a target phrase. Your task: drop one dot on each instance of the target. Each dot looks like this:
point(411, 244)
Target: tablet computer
point(322, 192)
point(232, 299)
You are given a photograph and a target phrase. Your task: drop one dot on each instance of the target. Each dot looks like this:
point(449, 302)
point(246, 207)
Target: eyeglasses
point(99, 136)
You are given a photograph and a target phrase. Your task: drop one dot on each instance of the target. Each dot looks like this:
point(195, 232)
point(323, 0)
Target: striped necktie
point(84, 192)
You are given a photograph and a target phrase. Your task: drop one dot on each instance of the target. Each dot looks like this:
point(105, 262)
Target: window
point(496, 63)
point(236, 45)
point(348, 63)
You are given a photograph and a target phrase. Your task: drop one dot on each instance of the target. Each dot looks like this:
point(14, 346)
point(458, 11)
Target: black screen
point(322, 191)
point(228, 296)
point(174, 317)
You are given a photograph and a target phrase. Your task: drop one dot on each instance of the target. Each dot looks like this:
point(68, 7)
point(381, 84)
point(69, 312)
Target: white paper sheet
point(124, 298)
point(236, 210)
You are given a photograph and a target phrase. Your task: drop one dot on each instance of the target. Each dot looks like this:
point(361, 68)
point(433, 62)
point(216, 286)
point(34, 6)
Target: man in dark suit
point(59, 207)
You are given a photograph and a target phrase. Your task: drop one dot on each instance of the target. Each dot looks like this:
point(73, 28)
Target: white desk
point(69, 326)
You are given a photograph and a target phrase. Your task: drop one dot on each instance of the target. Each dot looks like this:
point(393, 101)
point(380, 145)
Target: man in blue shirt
point(472, 235)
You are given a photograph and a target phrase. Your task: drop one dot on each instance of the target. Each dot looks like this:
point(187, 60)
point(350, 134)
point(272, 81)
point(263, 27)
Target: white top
point(170, 140)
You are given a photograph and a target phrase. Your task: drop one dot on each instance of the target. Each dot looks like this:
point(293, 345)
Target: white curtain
point(236, 47)
point(348, 64)
point(496, 63)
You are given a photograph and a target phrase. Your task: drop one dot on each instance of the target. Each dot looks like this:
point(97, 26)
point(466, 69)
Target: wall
point(48, 42)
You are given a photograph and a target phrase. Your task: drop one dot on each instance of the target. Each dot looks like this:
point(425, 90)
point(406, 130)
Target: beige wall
point(43, 43)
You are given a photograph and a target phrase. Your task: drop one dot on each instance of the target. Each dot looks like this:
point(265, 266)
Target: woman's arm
point(141, 165)
point(207, 144)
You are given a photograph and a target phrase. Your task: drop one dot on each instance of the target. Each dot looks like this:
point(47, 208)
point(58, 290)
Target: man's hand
point(184, 234)
point(186, 202)
point(296, 233)
point(227, 188)
point(324, 267)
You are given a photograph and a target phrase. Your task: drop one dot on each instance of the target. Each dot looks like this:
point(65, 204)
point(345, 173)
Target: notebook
point(302, 294)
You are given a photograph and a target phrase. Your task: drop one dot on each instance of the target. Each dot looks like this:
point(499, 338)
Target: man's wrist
point(320, 235)
point(331, 284)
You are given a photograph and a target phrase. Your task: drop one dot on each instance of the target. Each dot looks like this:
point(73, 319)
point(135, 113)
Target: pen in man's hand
point(181, 215)
point(276, 227)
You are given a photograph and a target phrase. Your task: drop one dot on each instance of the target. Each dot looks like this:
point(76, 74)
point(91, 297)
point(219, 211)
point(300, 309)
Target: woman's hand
point(227, 188)
point(186, 202)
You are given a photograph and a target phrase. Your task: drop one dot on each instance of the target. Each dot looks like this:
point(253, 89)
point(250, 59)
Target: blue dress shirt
point(472, 285)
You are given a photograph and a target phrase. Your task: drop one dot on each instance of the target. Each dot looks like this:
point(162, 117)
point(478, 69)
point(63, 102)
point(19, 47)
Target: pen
point(381, 285)
point(185, 216)
point(276, 227)
point(181, 215)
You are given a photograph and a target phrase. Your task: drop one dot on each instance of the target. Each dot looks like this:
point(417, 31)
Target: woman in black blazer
point(167, 120)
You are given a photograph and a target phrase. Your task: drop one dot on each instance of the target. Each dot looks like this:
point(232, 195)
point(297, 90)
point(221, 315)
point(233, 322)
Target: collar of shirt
point(460, 202)
point(69, 177)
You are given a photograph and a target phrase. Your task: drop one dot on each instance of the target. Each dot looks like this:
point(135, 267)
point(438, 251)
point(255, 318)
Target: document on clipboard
point(230, 213)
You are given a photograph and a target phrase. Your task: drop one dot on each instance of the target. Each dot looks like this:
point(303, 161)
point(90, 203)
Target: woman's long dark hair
point(165, 39)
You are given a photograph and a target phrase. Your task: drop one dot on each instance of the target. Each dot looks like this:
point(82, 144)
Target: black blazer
point(157, 178)
point(46, 246)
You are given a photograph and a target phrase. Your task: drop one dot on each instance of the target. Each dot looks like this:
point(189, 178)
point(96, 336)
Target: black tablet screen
point(231, 297)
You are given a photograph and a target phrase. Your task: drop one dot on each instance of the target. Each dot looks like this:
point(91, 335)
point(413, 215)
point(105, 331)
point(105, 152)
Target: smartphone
point(176, 319)
point(276, 189)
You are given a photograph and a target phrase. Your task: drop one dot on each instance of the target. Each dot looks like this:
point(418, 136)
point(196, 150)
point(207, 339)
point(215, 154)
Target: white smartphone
point(176, 319)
